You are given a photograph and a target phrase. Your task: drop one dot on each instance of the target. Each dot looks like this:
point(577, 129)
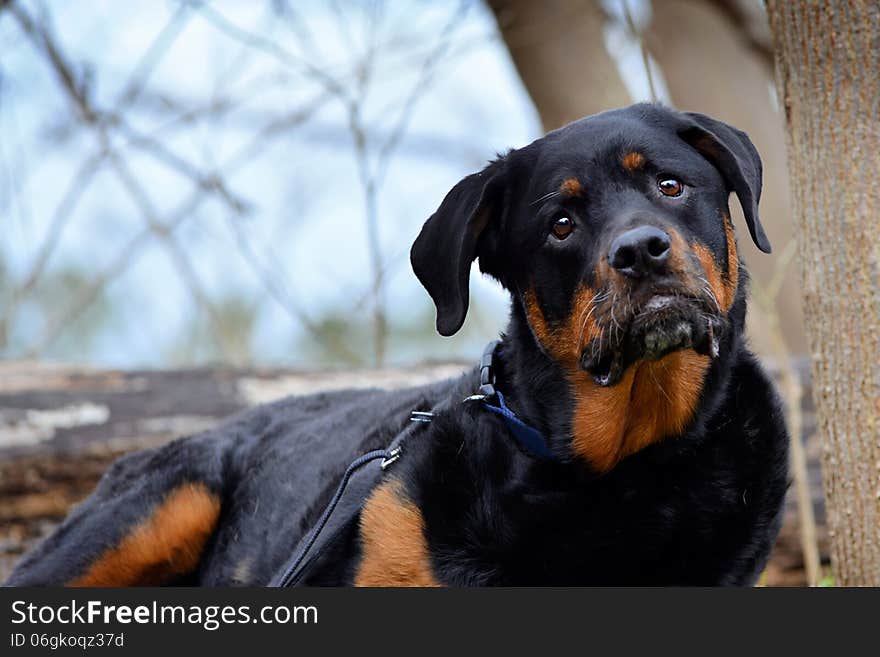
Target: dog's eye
point(562, 227)
point(670, 186)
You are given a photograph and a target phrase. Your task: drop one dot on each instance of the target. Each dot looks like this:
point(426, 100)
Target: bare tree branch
point(119, 134)
point(371, 176)
point(269, 47)
point(153, 55)
point(646, 59)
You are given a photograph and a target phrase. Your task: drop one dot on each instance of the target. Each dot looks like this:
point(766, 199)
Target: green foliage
point(827, 581)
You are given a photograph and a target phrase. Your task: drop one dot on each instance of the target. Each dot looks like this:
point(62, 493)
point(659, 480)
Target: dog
point(623, 433)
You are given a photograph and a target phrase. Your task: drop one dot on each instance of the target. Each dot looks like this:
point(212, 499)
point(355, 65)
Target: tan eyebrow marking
point(571, 187)
point(632, 161)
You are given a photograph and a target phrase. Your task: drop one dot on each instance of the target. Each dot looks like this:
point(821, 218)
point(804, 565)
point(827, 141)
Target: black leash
point(366, 471)
point(358, 481)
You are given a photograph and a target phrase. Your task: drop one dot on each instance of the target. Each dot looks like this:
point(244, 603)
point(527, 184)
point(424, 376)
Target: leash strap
point(365, 473)
point(359, 479)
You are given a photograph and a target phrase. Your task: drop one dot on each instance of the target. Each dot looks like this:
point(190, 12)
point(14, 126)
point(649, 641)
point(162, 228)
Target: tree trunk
point(559, 52)
point(828, 63)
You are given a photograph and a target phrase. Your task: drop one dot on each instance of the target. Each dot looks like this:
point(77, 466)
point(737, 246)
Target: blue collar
point(529, 438)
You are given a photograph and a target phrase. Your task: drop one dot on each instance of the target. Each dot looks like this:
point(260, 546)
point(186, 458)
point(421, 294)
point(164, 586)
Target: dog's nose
point(640, 251)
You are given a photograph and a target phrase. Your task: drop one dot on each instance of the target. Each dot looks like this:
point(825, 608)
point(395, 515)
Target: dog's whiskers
point(588, 306)
point(707, 289)
point(588, 310)
point(657, 383)
point(545, 197)
point(613, 317)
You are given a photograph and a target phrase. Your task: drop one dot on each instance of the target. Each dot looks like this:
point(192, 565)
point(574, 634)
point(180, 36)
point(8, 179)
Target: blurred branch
point(368, 183)
point(120, 136)
point(124, 259)
point(79, 182)
point(209, 182)
point(275, 126)
point(152, 56)
point(270, 47)
point(636, 32)
point(276, 289)
point(371, 175)
point(160, 231)
point(78, 94)
point(425, 76)
point(298, 27)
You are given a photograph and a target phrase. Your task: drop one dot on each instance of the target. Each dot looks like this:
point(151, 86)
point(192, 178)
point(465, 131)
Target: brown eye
point(670, 187)
point(562, 227)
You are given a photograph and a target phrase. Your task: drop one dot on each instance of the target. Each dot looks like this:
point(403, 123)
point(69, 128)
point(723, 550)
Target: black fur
point(702, 507)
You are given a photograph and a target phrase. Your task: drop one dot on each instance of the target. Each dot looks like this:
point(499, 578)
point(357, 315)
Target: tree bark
point(828, 65)
point(559, 51)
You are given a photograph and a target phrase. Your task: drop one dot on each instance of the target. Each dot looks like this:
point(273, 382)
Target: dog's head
point(614, 237)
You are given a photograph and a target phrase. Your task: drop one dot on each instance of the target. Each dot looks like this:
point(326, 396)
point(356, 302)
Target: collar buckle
point(529, 438)
point(487, 371)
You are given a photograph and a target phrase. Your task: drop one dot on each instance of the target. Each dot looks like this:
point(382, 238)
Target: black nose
point(640, 251)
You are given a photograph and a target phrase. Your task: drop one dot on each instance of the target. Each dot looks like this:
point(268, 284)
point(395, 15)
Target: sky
point(305, 229)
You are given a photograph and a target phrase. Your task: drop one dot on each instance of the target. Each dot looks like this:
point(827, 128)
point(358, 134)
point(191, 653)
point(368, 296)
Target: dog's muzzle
point(666, 323)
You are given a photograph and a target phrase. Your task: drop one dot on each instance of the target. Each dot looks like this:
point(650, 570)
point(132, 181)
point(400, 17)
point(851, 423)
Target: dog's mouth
point(664, 324)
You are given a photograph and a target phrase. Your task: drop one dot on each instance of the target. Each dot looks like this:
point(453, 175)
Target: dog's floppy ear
point(442, 254)
point(733, 154)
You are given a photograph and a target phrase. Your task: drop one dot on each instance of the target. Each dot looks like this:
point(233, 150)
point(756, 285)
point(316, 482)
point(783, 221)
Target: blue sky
point(306, 220)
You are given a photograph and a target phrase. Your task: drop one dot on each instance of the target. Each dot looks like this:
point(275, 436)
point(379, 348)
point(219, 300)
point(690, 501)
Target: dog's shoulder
point(752, 413)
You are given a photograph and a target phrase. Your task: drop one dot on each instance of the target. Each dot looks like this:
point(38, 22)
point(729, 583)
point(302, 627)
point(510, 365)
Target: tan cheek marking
point(564, 341)
point(395, 552)
point(722, 284)
point(571, 187)
point(633, 161)
point(167, 544)
point(676, 263)
point(713, 274)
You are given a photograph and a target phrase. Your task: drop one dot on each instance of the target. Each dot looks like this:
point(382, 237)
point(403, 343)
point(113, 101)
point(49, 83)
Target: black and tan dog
point(665, 446)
